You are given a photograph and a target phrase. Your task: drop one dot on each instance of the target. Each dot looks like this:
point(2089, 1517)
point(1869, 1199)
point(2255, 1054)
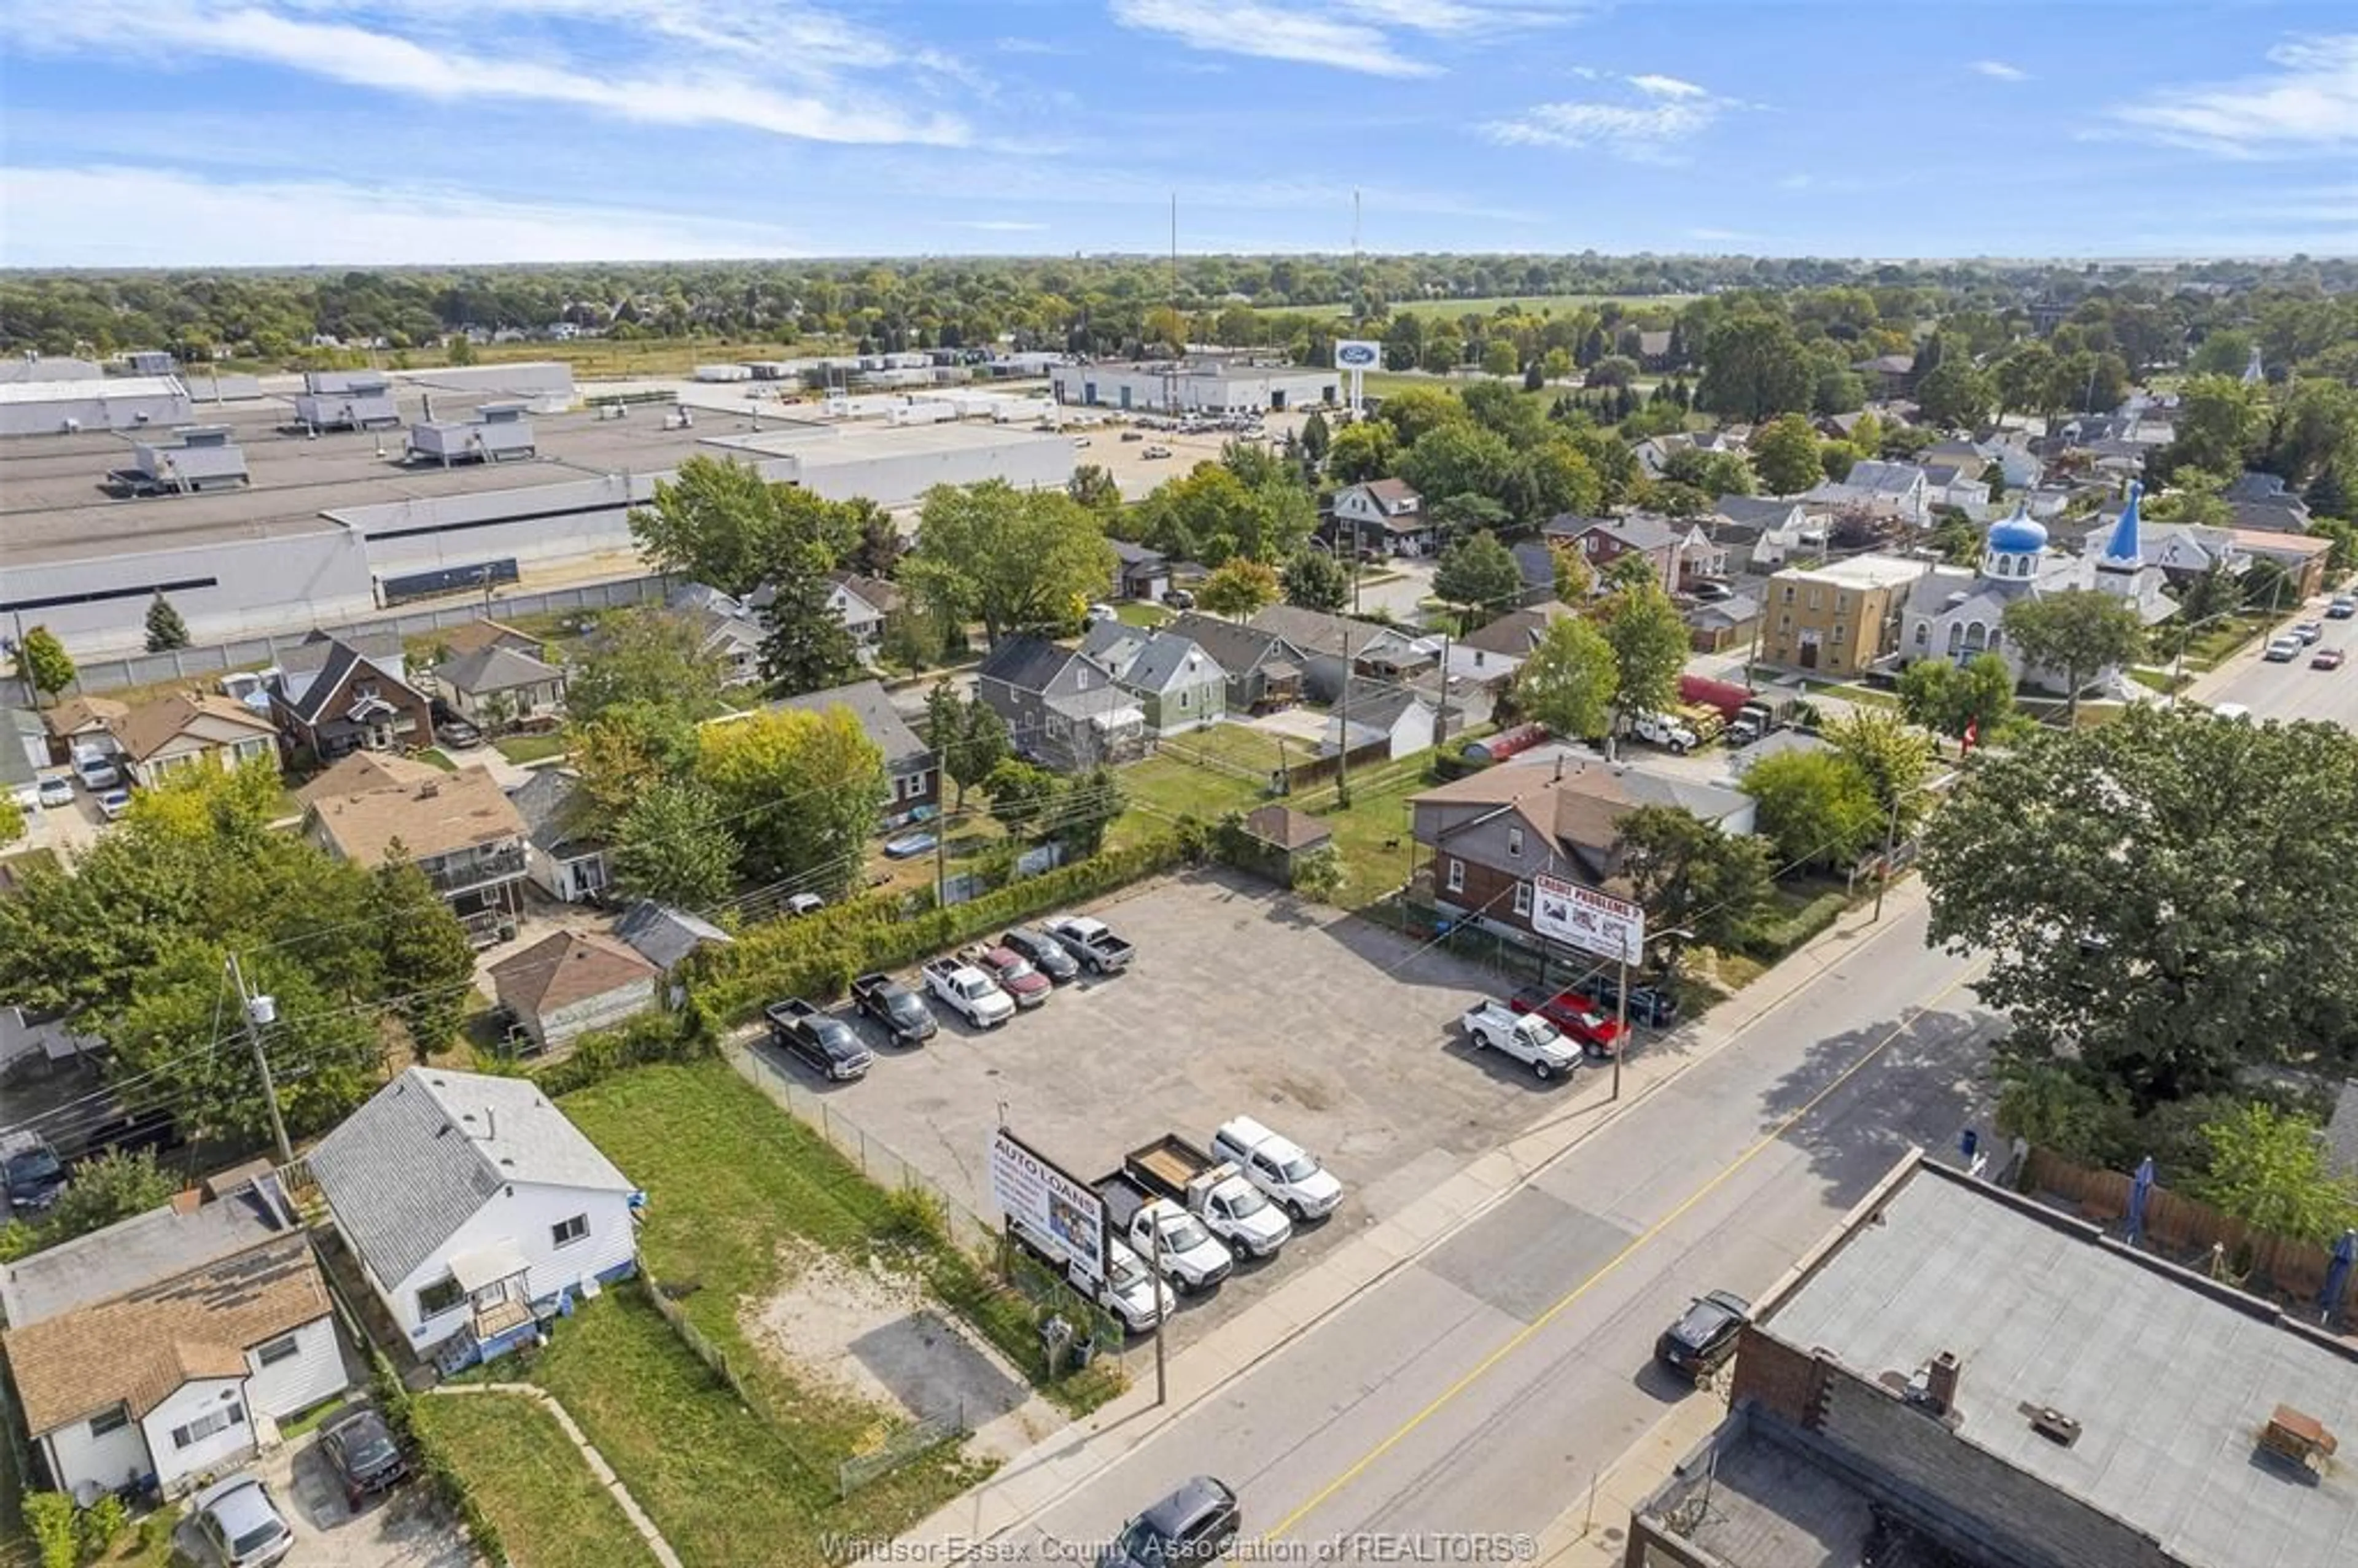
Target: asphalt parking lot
point(1243, 1001)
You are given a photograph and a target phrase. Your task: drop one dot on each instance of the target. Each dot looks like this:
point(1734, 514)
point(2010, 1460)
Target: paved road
point(1479, 1389)
point(2293, 690)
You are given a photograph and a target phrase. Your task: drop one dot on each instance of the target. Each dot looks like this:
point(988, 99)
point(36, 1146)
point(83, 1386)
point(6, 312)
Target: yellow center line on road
point(1524, 1335)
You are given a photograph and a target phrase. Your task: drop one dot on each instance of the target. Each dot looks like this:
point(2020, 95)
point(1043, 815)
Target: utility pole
point(1162, 1373)
point(259, 1011)
point(1343, 731)
point(1890, 844)
point(1621, 1019)
point(1441, 729)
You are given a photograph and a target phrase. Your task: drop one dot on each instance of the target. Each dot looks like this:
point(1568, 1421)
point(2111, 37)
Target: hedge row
point(816, 957)
point(1770, 940)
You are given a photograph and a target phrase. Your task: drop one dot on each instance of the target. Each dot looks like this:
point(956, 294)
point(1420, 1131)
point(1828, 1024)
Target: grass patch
point(436, 757)
point(2208, 647)
point(523, 749)
point(528, 1478)
point(1163, 788)
point(2156, 680)
point(1136, 613)
point(1373, 838)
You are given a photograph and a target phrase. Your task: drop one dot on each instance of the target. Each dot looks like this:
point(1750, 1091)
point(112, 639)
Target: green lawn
point(1163, 788)
point(1373, 837)
point(435, 757)
point(525, 749)
point(1137, 613)
point(528, 1478)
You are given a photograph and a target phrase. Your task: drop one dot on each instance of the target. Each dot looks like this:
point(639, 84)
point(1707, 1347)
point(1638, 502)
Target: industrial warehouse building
point(334, 525)
point(115, 403)
point(1194, 387)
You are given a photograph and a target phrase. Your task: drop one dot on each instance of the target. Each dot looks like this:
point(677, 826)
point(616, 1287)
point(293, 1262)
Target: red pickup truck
point(1574, 1013)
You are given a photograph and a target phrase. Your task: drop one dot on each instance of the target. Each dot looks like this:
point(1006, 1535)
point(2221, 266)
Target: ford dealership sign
point(1358, 354)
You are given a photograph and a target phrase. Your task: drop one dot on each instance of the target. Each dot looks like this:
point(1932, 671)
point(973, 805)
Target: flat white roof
point(83, 391)
point(821, 445)
point(1862, 571)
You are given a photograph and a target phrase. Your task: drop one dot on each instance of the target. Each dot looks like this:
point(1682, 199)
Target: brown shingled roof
point(77, 714)
point(433, 816)
point(363, 770)
point(1282, 827)
point(150, 727)
point(136, 1349)
point(566, 968)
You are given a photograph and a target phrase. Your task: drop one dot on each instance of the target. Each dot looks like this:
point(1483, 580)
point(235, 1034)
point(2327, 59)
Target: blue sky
point(254, 131)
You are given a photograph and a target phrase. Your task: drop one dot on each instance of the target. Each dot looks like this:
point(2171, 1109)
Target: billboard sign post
point(1591, 921)
point(1034, 1193)
point(1358, 355)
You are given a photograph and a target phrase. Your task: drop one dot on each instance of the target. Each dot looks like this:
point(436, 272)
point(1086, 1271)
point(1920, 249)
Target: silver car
point(240, 1522)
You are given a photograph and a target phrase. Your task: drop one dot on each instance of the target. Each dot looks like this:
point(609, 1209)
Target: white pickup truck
point(1667, 730)
point(1526, 1036)
point(1288, 1174)
point(1128, 1290)
point(1215, 1191)
point(1191, 1255)
point(968, 992)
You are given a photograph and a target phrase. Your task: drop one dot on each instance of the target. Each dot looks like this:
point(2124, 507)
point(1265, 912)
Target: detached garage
point(572, 983)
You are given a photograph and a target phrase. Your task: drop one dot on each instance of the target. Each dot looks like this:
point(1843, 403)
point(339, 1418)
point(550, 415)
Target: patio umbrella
point(2141, 1189)
point(2337, 1277)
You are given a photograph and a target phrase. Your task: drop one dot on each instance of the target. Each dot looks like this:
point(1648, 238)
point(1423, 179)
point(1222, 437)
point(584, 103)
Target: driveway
point(1242, 1001)
point(407, 1530)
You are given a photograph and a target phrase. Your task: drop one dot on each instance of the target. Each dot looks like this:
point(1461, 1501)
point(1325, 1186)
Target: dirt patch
point(870, 1333)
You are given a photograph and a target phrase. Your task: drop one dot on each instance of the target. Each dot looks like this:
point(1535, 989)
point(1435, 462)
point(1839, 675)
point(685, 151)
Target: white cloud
point(74, 217)
point(1998, 70)
point(2309, 104)
point(1272, 32)
point(690, 66)
point(1665, 113)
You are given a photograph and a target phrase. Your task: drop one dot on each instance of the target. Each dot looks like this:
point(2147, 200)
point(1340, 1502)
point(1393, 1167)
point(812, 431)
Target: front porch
point(499, 1316)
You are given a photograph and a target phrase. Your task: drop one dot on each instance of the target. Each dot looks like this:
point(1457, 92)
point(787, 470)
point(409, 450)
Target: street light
point(2186, 635)
point(1621, 1005)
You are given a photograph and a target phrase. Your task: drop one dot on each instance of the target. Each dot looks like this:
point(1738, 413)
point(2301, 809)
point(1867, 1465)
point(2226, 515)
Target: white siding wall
point(313, 1374)
point(75, 1456)
point(597, 1012)
point(524, 1214)
point(176, 1468)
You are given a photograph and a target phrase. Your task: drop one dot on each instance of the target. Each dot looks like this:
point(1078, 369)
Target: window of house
point(1923, 634)
point(1842, 603)
point(1784, 623)
point(439, 1297)
point(1789, 593)
point(1514, 840)
point(1457, 876)
point(283, 1349)
point(108, 1420)
point(205, 1426)
point(1817, 596)
point(1839, 630)
point(566, 1232)
point(1522, 898)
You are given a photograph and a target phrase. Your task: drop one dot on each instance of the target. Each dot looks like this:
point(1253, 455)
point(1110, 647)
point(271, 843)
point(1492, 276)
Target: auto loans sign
point(1357, 354)
point(1035, 1194)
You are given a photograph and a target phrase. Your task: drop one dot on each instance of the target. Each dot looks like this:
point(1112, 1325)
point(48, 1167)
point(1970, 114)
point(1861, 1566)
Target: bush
point(50, 1517)
point(102, 1524)
point(817, 956)
point(651, 1037)
point(1770, 940)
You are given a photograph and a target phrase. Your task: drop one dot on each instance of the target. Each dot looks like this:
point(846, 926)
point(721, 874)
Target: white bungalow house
point(162, 1349)
point(472, 1205)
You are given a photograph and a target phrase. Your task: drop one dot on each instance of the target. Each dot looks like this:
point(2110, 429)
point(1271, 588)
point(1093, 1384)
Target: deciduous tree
point(672, 845)
point(1314, 580)
point(2076, 635)
point(1014, 561)
point(43, 662)
point(1689, 877)
point(644, 656)
point(1479, 574)
point(1237, 588)
point(2271, 1170)
point(1362, 451)
point(967, 736)
point(801, 792)
point(1785, 455)
point(721, 523)
point(114, 1186)
point(1649, 647)
point(1895, 757)
point(1754, 367)
point(1953, 699)
point(1815, 806)
point(428, 963)
point(1569, 681)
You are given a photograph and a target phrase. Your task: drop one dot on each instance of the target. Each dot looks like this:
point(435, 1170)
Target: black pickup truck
point(901, 1011)
point(826, 1044)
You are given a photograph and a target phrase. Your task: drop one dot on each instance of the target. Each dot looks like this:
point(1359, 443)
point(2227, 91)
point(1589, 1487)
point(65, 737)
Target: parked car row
point(1550, 1030)
point(1195, 1211)
point(984, 984)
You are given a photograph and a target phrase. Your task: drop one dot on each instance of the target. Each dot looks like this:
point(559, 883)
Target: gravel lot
point(1243, 1001)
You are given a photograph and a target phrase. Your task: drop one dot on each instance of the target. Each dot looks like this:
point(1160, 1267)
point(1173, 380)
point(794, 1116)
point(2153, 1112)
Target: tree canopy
point(2076, 635)
point(1569, 681)
point(1015, 560)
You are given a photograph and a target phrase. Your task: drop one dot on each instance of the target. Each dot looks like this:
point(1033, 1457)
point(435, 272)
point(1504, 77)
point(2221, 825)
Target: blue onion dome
point(2020, 534)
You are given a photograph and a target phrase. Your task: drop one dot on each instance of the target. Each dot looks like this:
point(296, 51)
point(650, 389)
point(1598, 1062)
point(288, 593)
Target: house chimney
point(1940, 1381)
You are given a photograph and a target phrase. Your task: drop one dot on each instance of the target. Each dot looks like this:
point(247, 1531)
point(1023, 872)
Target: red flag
point(1972, 733)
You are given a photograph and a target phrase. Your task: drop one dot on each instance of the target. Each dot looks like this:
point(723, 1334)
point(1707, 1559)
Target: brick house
point(350, 703)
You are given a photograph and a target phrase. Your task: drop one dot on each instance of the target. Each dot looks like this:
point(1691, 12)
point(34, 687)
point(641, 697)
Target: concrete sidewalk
point(1046, 1473)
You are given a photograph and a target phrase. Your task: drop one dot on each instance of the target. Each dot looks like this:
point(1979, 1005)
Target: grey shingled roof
point(1238, 647)
point(1027, 663)
point(137, 1251)
point(546, 803)
point(494, 668)
point(1165, 663)
point(882, 722)
point(664, 936)
point(2169, 1377)
point(430, 1149)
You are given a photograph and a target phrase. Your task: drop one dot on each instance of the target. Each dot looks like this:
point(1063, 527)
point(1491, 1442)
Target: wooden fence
point(2191, 1233)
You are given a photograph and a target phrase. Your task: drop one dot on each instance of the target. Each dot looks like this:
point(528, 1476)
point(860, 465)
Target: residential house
point(349, 702)
point(1536, 560)
point(2303, 555)
point(1491, 654)
point(1964, 458)
point(1949, 485)
point(1895, 491)
point(359, 772)
point(1331, 646)
point(1062, 708)
point(2263, 504)
point(1715, 626)
point(159, 738)
point(24, 752)
point(569, 983)
point(1682, 554)
point(1400, 720)
point(380, 646)
point(475, 636)
point(1178, 686)
point(1385, 515)
point(667, 938)
point(729, 630)
point(1957, 612)
point(913, 775)
point(1551, 811)
point(1887, 376)
point(498, 687)
point(1139, 572)
point(1838, 618)
point(159, 1350)
point(458, 829)
point(865, 605)
point(561, 857)
point(473, 1205)
point(85, 726)
point(1655, 452)
point(1264, 670)
point(1760, 533)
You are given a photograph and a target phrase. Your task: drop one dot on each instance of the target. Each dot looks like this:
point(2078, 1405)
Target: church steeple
point(2126, 550)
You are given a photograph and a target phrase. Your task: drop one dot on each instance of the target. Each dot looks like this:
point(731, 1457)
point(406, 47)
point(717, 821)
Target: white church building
point(1955, 613)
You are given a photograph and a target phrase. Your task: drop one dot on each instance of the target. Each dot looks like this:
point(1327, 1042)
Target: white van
point(1280, 1168)
point(2234, 711)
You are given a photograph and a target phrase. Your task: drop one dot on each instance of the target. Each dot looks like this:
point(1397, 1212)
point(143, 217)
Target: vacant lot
point(549, 1509)
point(1243, 1002)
